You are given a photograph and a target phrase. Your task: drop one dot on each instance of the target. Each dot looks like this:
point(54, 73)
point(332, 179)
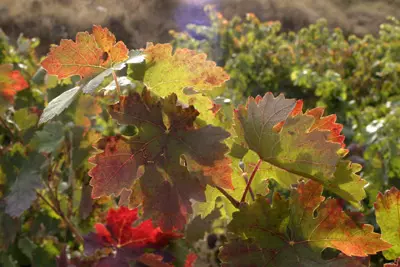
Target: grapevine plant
point(113, 157)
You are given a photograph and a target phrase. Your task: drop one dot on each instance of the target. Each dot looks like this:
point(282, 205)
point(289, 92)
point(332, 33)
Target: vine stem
point(234, 202)
point(60, 213)
point(116, 82)
point(13, 135)
point(250, 180)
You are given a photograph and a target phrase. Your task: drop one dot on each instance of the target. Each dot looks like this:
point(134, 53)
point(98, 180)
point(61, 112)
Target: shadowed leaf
point(178, 158)
point(23, 191)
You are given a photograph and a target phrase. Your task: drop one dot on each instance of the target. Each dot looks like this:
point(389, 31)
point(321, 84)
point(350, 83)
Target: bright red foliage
point(129, 243)
point(119, 232)
point(11, 82)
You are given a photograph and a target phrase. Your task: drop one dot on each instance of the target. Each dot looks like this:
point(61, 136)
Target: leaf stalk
point(250, 180)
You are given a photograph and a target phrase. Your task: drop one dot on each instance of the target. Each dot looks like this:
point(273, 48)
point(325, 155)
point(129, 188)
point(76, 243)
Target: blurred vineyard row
point(357, 78)
point(136, 21)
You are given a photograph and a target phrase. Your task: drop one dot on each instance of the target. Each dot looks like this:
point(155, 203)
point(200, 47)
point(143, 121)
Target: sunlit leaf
point(11, 82)
point(59, 104)
point(128, 242)
point(89, 55)
point(387, 211)
point(295, 145)
point(296, 231)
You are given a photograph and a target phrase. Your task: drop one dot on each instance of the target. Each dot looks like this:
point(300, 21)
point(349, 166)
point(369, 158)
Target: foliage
point(137, 145)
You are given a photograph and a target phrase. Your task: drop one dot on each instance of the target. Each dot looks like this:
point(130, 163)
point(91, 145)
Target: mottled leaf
point(295, 232)
point(116, 167)
point(88, 56)
point(387, 211)
point(168, 73)
point(177, 157)
point(295, 145)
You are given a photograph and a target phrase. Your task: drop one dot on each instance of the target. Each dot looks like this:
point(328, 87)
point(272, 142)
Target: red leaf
point(11, 82)
point(116, 167)
point(190, 260)
point(129, 242)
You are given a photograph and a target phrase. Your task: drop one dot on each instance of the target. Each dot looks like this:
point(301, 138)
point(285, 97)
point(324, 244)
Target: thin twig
point(229, 197)
point(116, 82)
point(244, 175)
point(13, 135)
point(250, 180)
point(47, 202)
point(59, 212)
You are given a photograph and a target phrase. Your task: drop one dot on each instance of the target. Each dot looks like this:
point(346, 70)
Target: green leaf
point(25, 119)
point(50, 138)
point(26, 246)
point(59, 104)
point(295, 232)
point(296, 145)
point(8, 261)
point(168, 73)
point(9, 228)
point(196, 229)
point(23, 191)
point(387, 211)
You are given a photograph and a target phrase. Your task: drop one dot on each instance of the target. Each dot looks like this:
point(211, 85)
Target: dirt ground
point(138, 21)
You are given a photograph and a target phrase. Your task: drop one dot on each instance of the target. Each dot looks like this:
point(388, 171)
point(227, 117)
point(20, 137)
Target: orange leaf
point(88, 55)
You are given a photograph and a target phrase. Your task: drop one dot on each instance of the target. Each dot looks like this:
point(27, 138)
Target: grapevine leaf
point(27, 247)
point(88, 56)
point(296, 231)
point(196, 229)
point(175, 154)
point(191, 260)
point(23, 191)
point(296, 145)
point(168, 73)
point(126, 241)
point(387, 211)
point(49, 139)
point(396, 263)
point(86, 202)
point(11, 82)
point(115, 169)
point(59, 104)
point(9, 228)
point(154, 260)
point(25, 119)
